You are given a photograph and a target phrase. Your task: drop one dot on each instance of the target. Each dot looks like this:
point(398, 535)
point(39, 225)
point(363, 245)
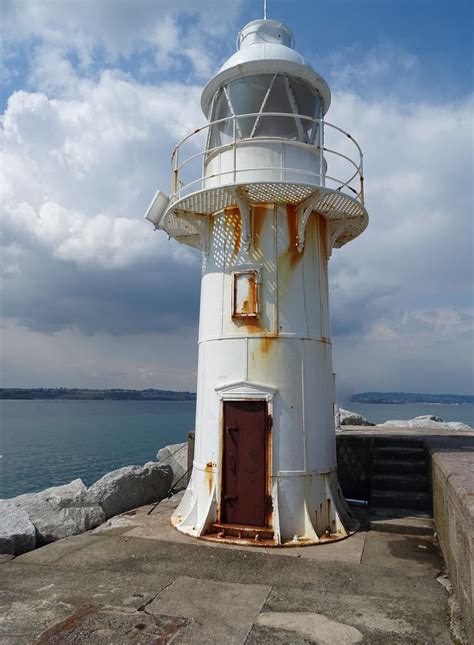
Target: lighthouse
point(265, 190)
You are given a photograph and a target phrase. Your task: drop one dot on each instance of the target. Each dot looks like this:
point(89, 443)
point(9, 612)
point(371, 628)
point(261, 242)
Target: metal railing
point(352, 185)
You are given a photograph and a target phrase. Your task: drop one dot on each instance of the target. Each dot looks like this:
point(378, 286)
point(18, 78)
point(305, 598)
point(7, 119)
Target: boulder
point(61, 511)
point(428, 421)
point(348, 418)
point(17, 533)
point(176, 456)
point(132, 486)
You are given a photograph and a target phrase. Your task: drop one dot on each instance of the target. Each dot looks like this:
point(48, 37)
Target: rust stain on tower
point(259, 214)
point(234, 224)
point(294, 256)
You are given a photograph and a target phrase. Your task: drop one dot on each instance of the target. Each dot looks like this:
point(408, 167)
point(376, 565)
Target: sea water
point(47, 443)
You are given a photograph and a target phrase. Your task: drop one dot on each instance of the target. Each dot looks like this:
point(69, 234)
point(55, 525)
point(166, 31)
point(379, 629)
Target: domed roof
point(265, 46)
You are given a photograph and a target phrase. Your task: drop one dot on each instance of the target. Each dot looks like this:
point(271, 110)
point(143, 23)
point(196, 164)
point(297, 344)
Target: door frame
point(246, 391)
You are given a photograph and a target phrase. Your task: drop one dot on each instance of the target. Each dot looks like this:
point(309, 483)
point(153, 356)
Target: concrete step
point(398, 443)
point(410, 482)
point(398, 467)
point(399, 453)
point(243, 532)
point(400, 499)
point(405, 521)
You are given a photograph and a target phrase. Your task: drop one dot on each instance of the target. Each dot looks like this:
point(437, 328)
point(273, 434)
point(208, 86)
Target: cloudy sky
point(94, 95)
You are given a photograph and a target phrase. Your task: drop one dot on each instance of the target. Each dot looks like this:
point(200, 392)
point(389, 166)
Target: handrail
point(299, 170)
point(179, 185)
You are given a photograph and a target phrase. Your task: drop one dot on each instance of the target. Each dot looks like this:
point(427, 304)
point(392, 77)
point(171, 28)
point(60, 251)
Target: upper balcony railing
point(193, 170)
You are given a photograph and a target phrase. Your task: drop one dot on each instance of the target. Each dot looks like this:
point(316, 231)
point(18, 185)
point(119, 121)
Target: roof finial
point(264, 9)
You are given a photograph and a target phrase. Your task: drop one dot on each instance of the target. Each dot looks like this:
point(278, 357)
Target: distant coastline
point(400, 398)
point(78, 394)
point(150, 394)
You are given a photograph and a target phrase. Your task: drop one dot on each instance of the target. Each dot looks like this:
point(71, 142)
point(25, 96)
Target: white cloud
point(419, 195)
point(99, 360)
point(367, 66)
point(85, 149)
point(77, 174)
point(422, 350)
point(92, 32)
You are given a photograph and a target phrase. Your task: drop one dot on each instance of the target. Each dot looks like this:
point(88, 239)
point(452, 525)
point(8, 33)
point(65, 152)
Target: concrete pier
point(135, 579)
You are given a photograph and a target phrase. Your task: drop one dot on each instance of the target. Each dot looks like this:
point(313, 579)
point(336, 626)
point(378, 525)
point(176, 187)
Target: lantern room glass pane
point(221, 133)
point(309, 104)
point(265, 93)
point(278, 126)
point(246, 96)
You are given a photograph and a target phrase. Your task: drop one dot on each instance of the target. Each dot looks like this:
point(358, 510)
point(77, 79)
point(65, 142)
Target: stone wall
point(355, 456)
point(453, 506)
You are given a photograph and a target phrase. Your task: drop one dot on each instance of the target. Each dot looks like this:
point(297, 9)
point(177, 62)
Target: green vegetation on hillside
point(95, 395)
point(410, 397)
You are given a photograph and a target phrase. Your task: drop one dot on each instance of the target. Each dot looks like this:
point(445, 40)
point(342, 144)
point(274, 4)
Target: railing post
point(321, 144)
point(361, 173)
point(175, 172)
point(234, 146)
point(203, 166)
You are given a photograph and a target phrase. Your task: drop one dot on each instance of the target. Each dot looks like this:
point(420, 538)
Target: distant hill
point(95, 395)
point(410, 397)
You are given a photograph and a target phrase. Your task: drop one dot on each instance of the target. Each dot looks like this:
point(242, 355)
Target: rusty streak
point(254, 328)
point(60, 630)
point(251, 302)
point(266, 343)
point(259, 213)
point(208, 475)
point(323, 238)
point(232, 217)
point(294, 256)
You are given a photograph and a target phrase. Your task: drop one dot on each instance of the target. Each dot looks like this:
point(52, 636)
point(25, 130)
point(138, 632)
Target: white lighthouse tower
point(265, 198)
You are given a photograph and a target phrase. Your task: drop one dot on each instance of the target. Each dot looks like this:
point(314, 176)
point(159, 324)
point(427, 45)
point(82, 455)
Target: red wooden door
point(243, 480)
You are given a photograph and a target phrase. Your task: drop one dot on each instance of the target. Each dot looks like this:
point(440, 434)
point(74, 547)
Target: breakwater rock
point(34, 519)
point(61, 511)
point(176, 457)
point(17, 533)
point(428, 421)
point(132, 486)
point(348, 418)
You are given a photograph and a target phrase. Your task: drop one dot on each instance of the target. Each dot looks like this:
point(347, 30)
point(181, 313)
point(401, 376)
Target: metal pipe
point(356, 502)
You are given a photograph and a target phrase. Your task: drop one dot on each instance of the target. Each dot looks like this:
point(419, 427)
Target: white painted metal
point(262, 212)
point(157, 208)
point(265, 46)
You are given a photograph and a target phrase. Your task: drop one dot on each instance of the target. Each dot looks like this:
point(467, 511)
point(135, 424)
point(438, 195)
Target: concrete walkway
point(137, 580)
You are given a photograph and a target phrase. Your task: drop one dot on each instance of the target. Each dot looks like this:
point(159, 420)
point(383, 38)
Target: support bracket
point(200, 224)
point(244, 209)
point(303, 211)
point(335, 230)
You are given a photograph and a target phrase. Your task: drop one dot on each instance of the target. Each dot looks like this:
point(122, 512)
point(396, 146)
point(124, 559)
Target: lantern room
point(267, 96)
